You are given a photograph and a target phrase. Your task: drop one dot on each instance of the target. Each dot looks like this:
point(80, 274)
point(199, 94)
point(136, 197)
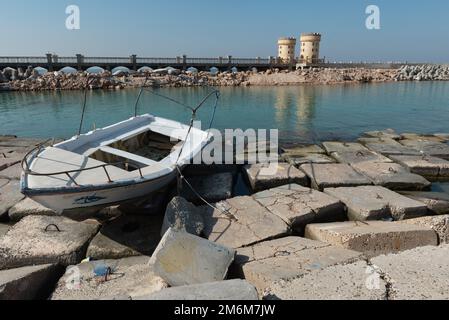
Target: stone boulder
point(182, 215)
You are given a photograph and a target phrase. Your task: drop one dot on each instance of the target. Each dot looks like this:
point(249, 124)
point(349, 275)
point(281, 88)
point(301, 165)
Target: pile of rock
point(423, 73)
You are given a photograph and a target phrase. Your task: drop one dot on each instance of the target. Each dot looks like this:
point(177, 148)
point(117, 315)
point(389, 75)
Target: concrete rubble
point(287, 258)
point(436, 202)
point(182, 215)
point(392, 176)
point(266, 176)
point(184, 259)
point(213, 187)
point(419, 274)
point(334, 175)
point(43, 240)
point(28, 283)
point(126, 236)
point(235, 290)
point(373, 238)
point(299, 206)
point(108, 279)
point(426, 166)
point(240, 222)
point(440, 224)
point(375, 203)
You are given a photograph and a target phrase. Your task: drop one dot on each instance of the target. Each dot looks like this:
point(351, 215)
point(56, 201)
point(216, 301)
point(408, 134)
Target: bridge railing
point(161, 61)
point(21, 60)
point(106, 60)
point(68, 60)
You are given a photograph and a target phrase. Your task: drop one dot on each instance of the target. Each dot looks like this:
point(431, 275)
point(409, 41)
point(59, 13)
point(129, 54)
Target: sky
point(409, 30)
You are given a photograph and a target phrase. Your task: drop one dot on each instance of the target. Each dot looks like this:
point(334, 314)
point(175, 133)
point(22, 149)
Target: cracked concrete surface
point(426, 166)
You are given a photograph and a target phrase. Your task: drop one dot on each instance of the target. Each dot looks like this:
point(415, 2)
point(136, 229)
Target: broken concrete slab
point(287, 258)
point(334, 175)
point(341, 147)
point(303, 150)
point(366, 140)
point(4, 228)
point(12, 173)
point(426, 166)
point(429, 148)
point(3, 182)
point(241, 221)
point(375, 202)
point(339, 282)
point(8, 162)
point(126, 236)
point(28, 207)
point(106, 279)
point(299, 206)
point(9, 196)
point(392, 176)
point(212, 188)
point(266, 176)
point(436, 202)
point(20, 142)
point(28, 283)
point(42, 240)
point(310, 158)
point(373, 238)
point(389, 147)
point(184, 259)
point(386, 134)
point(235, 290)
point(440, 224)
point(418, 274)
point(443, 136)
point(422, 137)
point(352, 157)
point(182, 215)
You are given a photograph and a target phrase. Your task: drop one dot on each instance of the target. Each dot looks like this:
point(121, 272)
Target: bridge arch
point(68, 70)
point(95, 70)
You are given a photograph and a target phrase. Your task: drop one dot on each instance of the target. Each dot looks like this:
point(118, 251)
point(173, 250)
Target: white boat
point(110, 166)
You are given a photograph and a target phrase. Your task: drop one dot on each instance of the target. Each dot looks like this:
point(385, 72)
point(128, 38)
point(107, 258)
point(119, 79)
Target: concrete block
point(430, 167)
point(421, 137)
point(265, 176)
point(386, 134)
point(184, 259)
point(107, 279)
point(268, 262)
point(28, 283)
point(4, 228)
point(12, 173)
point(28, 242)
point(340, 282)
point(392, 176)
point(334, 175)
point(419, 274)
point(310, 158)
point(373, 238)
point(126, 236)
point(213, 188)
point(28, 207)
point(374, 203)
point(9, 196)
point(241, 221)
point(429, 148)
point(391, 147)
point(299, 206)
point(436, 202)
point(353, 157)
point(182, 215)
point(440, 224)
point(8, 162)
point(235, 290)
point(342, 147)
point(303, 150)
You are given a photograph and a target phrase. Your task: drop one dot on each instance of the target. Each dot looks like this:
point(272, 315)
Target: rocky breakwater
point(423, 73)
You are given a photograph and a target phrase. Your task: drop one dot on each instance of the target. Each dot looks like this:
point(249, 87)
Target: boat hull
point(63, 202)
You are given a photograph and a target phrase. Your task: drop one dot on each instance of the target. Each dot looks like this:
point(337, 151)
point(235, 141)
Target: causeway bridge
point(53, 62)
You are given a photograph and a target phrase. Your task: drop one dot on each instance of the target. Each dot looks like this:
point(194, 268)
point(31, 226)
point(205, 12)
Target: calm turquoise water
point(302, 113)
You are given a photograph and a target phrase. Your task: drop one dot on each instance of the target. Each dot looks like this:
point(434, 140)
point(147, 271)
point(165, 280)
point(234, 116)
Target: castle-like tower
point(310, 48)
point(287, 49)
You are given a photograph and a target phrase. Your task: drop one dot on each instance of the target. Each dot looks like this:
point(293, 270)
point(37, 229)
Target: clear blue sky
point(410, 30)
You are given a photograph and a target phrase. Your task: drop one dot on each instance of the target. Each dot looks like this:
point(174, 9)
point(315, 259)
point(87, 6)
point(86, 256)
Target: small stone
point(126, 236)
point(340, 282)
point(392, 176)
point(266, 176)
point(28, 283)
point(418, 274)
point(374, 202)
point(426, 166)
point(182, 215)
point(212, 188)
point(373, 238)
point(241, 221)
point(299, 206)
point(128, 278)
point(185, 259)
point(334, 175)
point(28, 207)
point(235, 290)
point(28, 242)
point(9, 196)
